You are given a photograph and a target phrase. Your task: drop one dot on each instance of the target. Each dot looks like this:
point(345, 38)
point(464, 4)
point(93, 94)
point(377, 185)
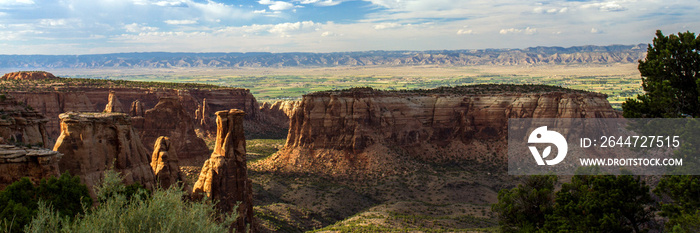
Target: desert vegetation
point(63, 205)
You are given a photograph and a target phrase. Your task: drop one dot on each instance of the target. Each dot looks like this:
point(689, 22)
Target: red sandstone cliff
point(278, 113)
point(169, 118)
point(93, 142)
point(19, 126)
point(19, 123)
point(52, 102)
point(366, 131)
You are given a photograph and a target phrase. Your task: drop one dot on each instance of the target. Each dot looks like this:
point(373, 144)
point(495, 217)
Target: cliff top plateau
point(482, 89)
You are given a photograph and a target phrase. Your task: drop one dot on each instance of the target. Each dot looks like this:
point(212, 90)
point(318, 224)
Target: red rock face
point(21, 124)
point(366, 131)
point(93, 142)
point(224, 176)
point(17, 162)
point(169, 118)
point(278, 113)
point(51, 103)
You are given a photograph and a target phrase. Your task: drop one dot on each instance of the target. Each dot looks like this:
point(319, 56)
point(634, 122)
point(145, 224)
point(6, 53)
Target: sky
point(116, 26)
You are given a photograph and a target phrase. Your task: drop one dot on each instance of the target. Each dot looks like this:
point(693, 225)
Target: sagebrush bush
point(20, 200)
point(162, 211)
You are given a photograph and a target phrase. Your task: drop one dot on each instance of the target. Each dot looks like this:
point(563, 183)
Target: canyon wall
point(20, 124)
point(366, 131)
point(169, 118)
point(21, 131)
point(56, 100)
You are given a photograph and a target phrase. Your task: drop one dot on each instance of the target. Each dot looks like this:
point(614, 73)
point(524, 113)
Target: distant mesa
point(28, 75)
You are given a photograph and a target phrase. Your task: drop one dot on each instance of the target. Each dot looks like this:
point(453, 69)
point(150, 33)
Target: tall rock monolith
point(224, 175)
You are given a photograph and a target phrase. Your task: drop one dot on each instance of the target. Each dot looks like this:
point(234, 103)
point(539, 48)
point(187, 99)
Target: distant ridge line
point(528, 56)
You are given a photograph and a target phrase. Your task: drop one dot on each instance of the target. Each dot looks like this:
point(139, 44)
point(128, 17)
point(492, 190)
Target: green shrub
point(20, 200)
point(162, 211)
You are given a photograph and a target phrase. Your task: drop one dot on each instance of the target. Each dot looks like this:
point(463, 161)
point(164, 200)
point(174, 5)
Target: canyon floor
point(435, 198)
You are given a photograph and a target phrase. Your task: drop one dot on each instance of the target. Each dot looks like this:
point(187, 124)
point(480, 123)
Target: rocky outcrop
point(224, 176)
point(169, 118)
point(17, 162)
point(21, 131)
point(20, 124)
point(165, 164)
point(278, 113)
point(136, 108)
point(28, 75)
point(93, 142)
point(202, 116)
point(113, 104)
point(367, 131)
point(52, 101)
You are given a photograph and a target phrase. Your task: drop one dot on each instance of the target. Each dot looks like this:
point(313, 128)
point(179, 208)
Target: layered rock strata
point(368, 131)
point(20, 124)
point(164, 162)
point(17, 162)
point(224, 175)
point(278, 113)
point(169, 118)
point(93, 142)
point(56, 100)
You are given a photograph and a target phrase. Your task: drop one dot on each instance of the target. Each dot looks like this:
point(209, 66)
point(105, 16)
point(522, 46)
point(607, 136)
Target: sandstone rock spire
point(136, 108)
point(165, 164)
point(224, 175)
point(113, 104)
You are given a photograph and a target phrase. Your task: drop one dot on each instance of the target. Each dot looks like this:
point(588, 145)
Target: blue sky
point(112, 26)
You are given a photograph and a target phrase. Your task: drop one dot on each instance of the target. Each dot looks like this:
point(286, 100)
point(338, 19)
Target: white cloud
point(16, 2)
point(543, 10)
point(135, 27)
point(329, 34)
point(527, 31)
point(53, 22)
point(287, 28)
point(281, 6)
point(605, 6)
point(382, 26)
point(465, 32)
point(277, 5)
point(180, 22)
point(321, 3)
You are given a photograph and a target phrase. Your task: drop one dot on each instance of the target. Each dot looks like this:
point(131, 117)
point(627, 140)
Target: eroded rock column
point(224, 175)
point(93, 142)
point(164, 162)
